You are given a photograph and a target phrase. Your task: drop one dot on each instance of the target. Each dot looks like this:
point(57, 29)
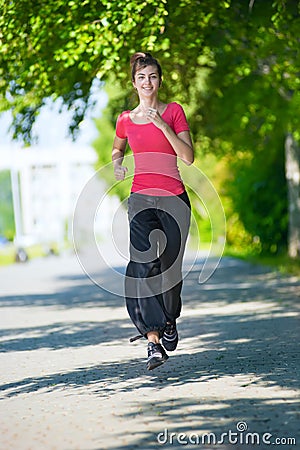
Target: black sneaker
point(170, 337)
point(156, 355)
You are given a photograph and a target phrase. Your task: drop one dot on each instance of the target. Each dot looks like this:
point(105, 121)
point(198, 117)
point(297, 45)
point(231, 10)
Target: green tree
point(7, 225)
point(56, 49)
point(233, 65)
point(252, 103)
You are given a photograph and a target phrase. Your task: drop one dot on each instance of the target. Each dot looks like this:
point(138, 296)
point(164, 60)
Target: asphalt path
point(71, 380)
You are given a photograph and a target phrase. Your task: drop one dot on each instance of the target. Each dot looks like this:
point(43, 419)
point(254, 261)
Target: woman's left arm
point(181, 142)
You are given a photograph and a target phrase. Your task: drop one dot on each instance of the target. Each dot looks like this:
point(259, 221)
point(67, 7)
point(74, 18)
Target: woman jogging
point(158, 208)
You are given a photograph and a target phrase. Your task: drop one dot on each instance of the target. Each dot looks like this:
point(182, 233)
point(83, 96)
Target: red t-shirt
point(156, 171)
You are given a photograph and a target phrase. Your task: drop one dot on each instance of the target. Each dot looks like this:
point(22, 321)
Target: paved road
point(71, 380)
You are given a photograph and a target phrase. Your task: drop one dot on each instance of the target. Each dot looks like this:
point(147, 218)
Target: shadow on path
point(202, 413)
point(229, 341)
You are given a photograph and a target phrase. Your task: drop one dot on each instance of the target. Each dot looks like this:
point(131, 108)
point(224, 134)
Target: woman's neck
point(145, 104)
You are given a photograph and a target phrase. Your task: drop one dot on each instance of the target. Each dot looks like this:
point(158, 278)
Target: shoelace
point(154, 350)
point(135, 338)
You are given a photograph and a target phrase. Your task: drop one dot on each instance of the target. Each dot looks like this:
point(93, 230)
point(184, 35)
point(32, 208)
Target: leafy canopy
point(233, 64)
point(56, 48)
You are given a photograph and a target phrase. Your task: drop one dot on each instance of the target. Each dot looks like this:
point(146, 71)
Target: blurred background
point(40, 184)
point(233, 65)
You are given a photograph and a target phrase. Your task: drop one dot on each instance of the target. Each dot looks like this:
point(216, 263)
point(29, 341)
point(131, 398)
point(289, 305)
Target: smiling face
point(147, 81)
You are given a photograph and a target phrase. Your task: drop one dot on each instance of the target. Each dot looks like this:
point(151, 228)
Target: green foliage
point(7, 225)
point(56, 48)
point(234, 68)
point(203, 184)
point(250, 105)
point(257, 191)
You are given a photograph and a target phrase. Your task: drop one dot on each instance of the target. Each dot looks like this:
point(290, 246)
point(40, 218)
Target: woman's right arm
point(118, 151)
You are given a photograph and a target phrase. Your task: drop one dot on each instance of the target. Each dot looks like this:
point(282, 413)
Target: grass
point(282, 262)
point(8, 253)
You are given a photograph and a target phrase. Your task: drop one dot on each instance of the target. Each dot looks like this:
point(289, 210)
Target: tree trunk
point(292, 168)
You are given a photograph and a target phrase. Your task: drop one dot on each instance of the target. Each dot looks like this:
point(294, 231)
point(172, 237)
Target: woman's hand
point(118, 151)
point(120, 171)
point(181, 142)
point(154, 117)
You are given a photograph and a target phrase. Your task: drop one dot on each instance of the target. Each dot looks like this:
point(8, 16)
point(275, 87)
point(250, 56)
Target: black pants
point(158, 232)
